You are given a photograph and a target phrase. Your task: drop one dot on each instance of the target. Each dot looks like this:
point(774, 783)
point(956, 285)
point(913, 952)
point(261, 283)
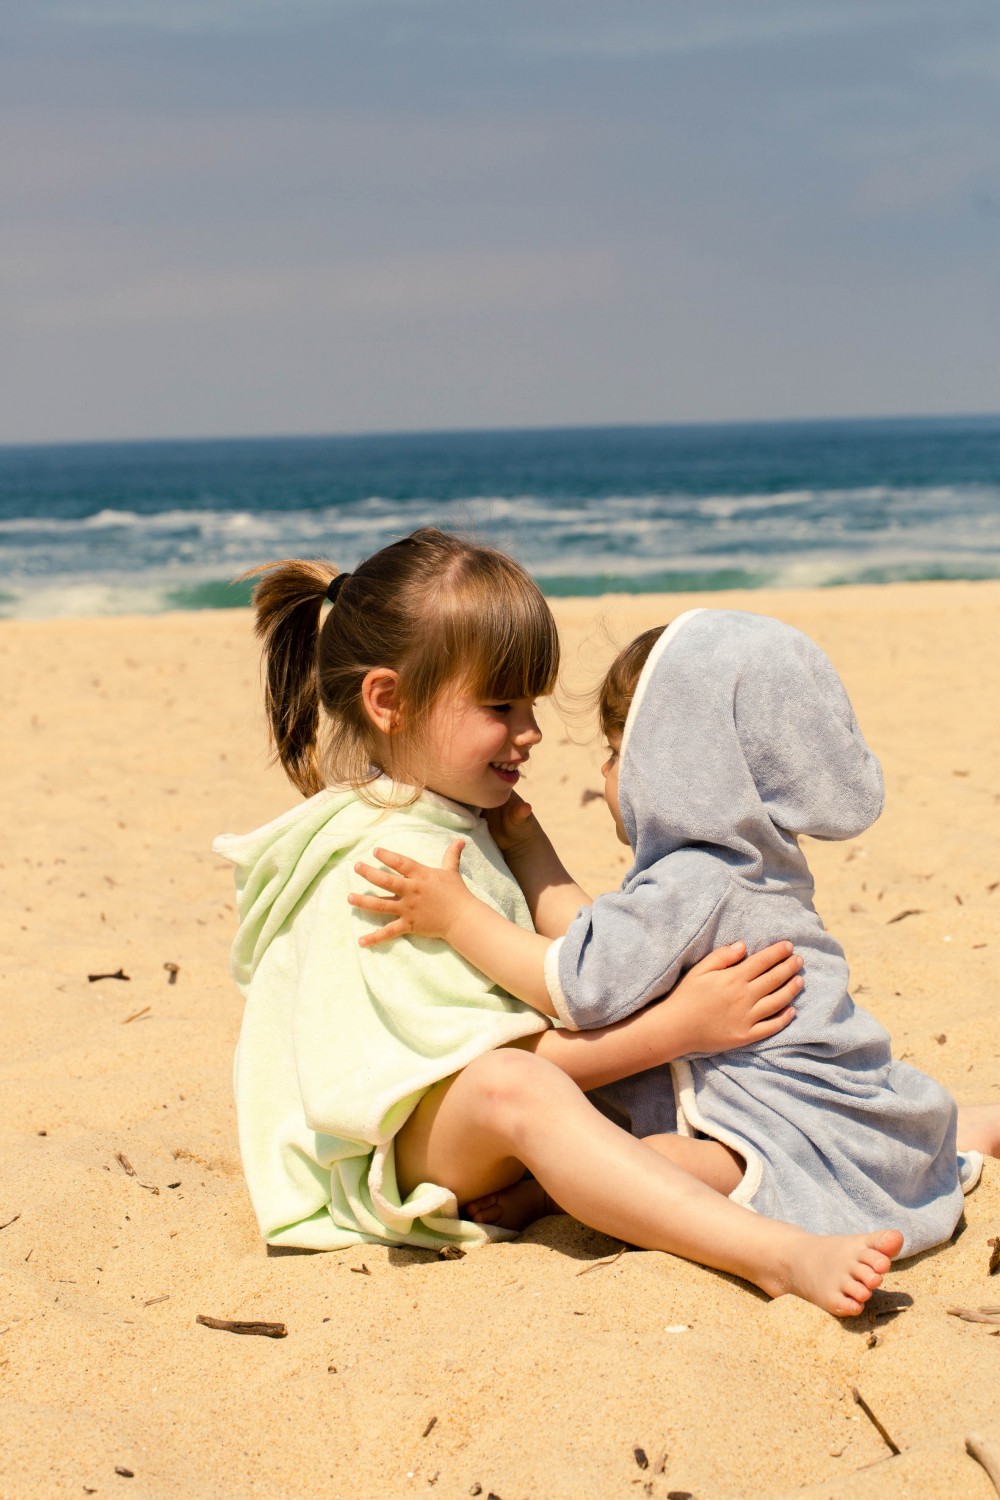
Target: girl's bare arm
point(552, 895)
point(724, 1002)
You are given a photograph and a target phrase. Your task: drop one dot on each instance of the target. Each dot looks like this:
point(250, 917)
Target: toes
point(484, 1215)
point(485, 1210)
point(889, 1243)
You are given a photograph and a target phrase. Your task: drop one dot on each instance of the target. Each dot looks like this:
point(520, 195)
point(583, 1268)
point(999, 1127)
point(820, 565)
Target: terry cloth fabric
point(339, 1043)
point(740, 739)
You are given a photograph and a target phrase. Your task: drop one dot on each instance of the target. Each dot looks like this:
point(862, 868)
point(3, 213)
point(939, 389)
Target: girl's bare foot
point(833, 1271)
point(513, 1207)
point(979, 1128)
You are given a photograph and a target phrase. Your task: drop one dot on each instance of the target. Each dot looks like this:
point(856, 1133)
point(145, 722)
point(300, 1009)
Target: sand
point(540, 1368)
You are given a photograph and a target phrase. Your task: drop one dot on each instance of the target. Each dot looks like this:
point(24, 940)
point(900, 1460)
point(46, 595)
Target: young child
point(731, 735)
point(379, 1087)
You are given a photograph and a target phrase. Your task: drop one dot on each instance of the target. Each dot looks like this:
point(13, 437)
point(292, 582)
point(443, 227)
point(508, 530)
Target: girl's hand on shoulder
point(736, 1000)
point(422, 901)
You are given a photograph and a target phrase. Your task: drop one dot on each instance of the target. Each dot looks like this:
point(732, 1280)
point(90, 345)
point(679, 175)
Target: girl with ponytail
point(380, 1088)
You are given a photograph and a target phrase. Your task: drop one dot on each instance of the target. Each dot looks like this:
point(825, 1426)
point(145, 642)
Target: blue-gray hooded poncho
point(740, 738)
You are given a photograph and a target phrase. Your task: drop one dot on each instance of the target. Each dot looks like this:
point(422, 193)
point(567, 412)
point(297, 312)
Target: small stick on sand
point(600, 1264)
point(137, 1015)
point(229, 1325)
point(361, 1270)
point(118, 974)
point(152, 1301)
point(429, 1428)
point(970, 1315)
point(172, 972)
point(985, 1454)
point(873, 1419)
point(10, 1222)
point(127, 1166)
point(994, 1245)
point(911, 911)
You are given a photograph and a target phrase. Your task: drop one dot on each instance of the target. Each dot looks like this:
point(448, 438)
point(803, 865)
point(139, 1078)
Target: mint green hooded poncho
point(339, 1043)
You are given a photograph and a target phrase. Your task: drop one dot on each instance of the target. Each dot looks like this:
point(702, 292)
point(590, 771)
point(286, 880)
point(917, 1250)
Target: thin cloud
point(395, 287)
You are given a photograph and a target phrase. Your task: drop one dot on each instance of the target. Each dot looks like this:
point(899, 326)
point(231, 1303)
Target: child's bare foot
point(836, 1272)
point(513, 1207)
point(979, 1128)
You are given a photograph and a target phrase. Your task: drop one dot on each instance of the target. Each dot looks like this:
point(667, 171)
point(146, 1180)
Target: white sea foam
point(116, 561)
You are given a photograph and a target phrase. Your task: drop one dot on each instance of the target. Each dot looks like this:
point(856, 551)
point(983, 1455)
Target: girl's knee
point(509, 1081)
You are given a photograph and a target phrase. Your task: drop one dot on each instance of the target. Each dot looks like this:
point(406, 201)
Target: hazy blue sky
point(276, 216)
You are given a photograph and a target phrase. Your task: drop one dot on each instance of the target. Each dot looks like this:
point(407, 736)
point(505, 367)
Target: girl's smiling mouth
point(507, 770)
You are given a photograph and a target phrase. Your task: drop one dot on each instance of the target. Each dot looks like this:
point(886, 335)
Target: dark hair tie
point(336, 584)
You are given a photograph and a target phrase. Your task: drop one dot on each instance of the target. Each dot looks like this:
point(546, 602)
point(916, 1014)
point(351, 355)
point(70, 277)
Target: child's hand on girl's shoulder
point(731, 1000)
point(422, 901)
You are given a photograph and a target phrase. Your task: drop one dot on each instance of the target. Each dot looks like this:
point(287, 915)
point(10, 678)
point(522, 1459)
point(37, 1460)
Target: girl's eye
point(499, 708)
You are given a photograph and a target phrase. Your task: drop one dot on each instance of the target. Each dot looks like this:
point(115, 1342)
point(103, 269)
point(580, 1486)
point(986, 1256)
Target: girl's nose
point(528, 732)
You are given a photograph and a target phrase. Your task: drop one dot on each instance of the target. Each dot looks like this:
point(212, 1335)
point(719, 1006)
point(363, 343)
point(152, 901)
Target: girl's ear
point(380, 696)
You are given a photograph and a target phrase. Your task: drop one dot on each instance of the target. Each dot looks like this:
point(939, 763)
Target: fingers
point(368, 902)
point(786, 994)
point(773, 1024)
point(758, 963)
point(382, 878)
point(453, 855)
point(720, 958)
point(520, 811)
point(776, 978)
point(399, 928)
point(395, 861)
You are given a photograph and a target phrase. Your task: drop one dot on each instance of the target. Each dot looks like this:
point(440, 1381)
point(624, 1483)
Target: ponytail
point(287, 604)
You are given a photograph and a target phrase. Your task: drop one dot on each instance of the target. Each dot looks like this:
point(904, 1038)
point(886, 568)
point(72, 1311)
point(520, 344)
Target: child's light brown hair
point(616, 692)
point(434, 607)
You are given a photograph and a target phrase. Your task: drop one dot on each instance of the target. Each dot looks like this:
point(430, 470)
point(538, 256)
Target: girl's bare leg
point(710, 1161)
point(520, 1205)
point(509, 1110)
point(979, 1128)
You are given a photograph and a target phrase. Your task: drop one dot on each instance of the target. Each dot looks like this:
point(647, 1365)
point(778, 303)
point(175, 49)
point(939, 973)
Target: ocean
point(142, 527)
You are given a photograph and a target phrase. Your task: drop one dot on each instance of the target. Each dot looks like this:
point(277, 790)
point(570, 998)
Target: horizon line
point(502, 430)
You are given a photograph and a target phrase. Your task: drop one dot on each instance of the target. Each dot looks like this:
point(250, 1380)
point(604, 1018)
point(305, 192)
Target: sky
point(228, 217)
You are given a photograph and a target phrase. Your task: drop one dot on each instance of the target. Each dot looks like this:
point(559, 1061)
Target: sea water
point(105, 528)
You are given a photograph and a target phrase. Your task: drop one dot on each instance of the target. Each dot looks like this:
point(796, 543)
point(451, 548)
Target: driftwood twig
point(971, 1315)
point(600, 1264)
point(873, 1419)
point(118, 974)
point(230, 1325)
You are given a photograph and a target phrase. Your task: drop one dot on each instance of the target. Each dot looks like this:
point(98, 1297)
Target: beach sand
point(539, 1368)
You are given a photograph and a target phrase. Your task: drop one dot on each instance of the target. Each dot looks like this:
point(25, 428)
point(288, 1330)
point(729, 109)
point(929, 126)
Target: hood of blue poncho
point(741, 737)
